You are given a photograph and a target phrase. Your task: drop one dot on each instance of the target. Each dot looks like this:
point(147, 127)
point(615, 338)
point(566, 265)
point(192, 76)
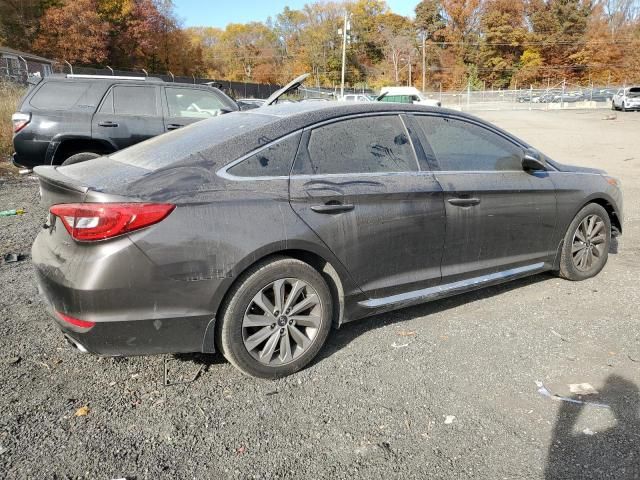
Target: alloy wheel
point(589, 241)
point(282, 321)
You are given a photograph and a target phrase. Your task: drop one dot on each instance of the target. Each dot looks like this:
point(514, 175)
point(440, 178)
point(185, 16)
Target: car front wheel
point(276, 319)
point(586, 244)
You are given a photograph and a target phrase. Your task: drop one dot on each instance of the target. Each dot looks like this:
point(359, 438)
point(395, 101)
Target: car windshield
point(634, 92)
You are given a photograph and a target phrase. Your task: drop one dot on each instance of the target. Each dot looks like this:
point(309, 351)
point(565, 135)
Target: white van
point(406, 95)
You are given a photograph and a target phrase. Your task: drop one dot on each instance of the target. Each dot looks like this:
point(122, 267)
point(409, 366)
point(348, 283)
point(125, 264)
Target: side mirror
point(533, 161)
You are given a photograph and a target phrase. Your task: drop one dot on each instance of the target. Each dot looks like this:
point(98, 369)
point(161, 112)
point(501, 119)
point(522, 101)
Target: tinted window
point(186, 102)
point(460, 145)
point(59, 95)
point(273, 161)
point(359, 145)
point(396, 99)
point(134, 100)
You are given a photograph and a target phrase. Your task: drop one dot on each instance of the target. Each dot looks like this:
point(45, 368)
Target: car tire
point(80, 157)
point(586, 244)
point(624, 107)
point(269, 344)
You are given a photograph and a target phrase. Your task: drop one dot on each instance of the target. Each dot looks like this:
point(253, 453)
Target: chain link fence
point(563, 96)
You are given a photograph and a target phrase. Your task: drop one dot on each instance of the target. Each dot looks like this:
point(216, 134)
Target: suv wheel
point(80, 157)
point(586, 244)
point(277, 318)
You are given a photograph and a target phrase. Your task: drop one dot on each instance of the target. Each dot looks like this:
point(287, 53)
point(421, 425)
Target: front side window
point(192, 103)
point(132, 100)
point(462, 146)
point(359, 145)
point(273, 161)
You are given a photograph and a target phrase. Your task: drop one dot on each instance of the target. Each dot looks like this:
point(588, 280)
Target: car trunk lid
point(98, 180)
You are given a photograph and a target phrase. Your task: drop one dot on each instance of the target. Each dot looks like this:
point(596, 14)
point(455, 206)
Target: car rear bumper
point(133, 309)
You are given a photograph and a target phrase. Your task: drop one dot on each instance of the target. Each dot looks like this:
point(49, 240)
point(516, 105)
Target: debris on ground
point(241, 450)
point(10, 213)
point(406, 333)
point(542, 390)
point(559, 336)
point(14, 257)
point(582, 389)
point(82, 412)
point(448, 420)
point(588, 431)
point(610, 117)
point(394, 345)
point(11, 360)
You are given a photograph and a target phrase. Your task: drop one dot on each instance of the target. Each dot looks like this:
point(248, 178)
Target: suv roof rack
point(112, 77)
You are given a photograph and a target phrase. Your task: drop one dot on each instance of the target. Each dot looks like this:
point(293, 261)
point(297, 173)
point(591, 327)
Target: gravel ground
point(444, 390)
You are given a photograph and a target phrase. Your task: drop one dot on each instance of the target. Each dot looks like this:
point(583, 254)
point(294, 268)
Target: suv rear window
point(58, 95)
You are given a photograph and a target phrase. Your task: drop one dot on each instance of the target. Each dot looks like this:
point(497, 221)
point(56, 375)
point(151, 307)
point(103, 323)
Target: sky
point(220, 13)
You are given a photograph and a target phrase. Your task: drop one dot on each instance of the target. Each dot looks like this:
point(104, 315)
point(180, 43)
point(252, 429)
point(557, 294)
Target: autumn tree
point(74, 32)
point(504, 34)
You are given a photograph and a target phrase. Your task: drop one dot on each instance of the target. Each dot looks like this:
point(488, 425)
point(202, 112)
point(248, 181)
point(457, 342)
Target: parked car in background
point(409, 95)
point(249, 103)
point(356, 97)
point(255, 232)
point(72, 118)
point(626, 99)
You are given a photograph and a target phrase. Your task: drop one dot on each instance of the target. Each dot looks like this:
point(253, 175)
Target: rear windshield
point(59, 95)
point(164, 150)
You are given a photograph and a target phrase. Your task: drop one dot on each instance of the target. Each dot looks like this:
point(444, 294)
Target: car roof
point(399, 90)
point(117, 79)
point(213, 142)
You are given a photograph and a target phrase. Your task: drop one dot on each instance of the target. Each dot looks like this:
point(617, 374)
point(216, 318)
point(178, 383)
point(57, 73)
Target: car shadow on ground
point(611, 453)
point(338, 339)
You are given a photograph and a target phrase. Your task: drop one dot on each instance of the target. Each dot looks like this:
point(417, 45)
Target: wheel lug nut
point(282, 331)
point(290, 322)
point(273, 325)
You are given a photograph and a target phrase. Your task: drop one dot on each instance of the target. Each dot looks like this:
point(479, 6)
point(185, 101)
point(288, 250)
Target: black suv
point(71, 118)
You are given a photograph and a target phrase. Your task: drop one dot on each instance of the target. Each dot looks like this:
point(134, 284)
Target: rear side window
point(359, 145)
point(273, 161)
point(131, 100)
point(58, 95)
point(464, 146)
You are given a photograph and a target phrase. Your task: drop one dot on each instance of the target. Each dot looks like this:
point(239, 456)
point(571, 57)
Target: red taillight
point(75, 321)
point(20, 120)
point(89, 222)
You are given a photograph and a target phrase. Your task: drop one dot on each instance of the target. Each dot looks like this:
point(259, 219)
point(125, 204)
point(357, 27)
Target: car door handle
point(464, 202)
point(333, 208)
point(108, 124)
point(174, 126)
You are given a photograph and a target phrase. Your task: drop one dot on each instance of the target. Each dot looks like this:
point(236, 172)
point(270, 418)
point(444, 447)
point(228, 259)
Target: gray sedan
point(255, 232)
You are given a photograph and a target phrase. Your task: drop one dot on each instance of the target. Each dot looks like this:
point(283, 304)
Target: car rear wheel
point(277, 318)
point(80, 157)
point(586, 244)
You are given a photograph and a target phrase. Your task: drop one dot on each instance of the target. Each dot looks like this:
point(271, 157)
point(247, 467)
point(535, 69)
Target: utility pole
point(344, 51)
point(424, 62)
point(409, 82)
